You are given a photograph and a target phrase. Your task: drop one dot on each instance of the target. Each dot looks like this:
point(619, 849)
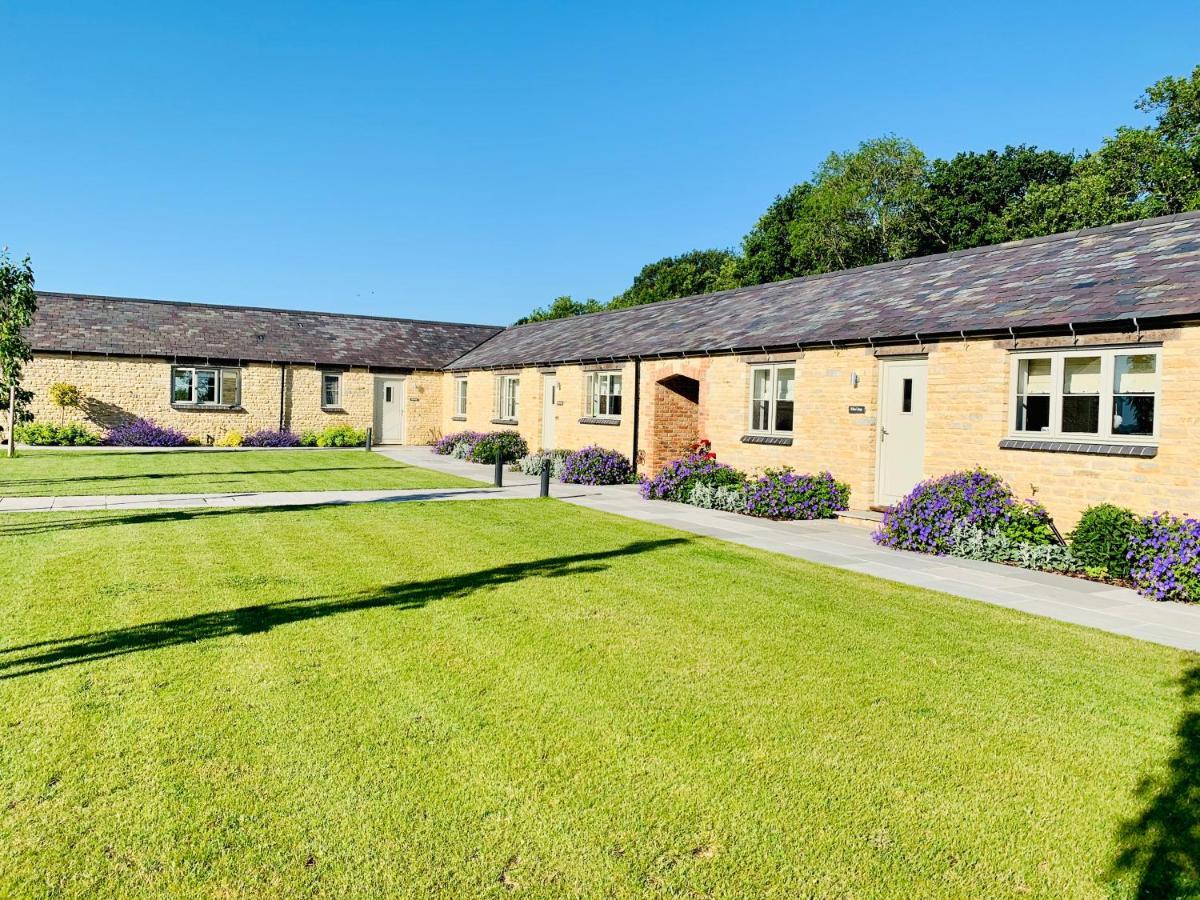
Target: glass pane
point(906, 399)
point(206, 386)
point(615, 385)
point(614, 405)
point(387, 394)
point(1081, 414)
point(229, 387)
point(181, 392)
point(1033, 413)
point(762, 384)
point(1034, 377)
point(784, 384)
point(330, 397)
point(1081, 375)
point(783, 415)
point(1134, 374)
point(759, 410)
point(1133, 415)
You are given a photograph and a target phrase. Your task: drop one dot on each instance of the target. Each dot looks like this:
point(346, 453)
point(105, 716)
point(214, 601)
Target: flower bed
point(595, 465)
point(274, 438)
point(1165, 558)
point(145, 433)
point(481, 446)
point(699, 480)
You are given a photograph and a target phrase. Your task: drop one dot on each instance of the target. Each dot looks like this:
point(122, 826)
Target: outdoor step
point(861, 518)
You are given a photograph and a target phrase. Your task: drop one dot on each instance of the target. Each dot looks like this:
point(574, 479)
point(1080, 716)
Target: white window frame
point(507, 401)
point(598, 386)
point(460, 397)
point(337, 403)
point(772, 399)
point(219, 373)
point(1108, 355)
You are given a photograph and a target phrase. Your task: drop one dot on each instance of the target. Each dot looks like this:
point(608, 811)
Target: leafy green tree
point(865, 207)
point(697, 272)
point(1137, 173)
point(17, 305)
point(969, 193)
point(767, 253)
point(561, 308)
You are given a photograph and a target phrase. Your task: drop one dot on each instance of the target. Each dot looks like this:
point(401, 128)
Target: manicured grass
point(46, 473)
point(463, 698)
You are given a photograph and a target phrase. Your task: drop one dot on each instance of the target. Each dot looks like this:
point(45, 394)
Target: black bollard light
point(498, 480)
point(369, 437)
point(544, 490)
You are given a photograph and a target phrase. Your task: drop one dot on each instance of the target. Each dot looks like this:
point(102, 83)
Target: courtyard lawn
point(472, 698)
point(45, 473)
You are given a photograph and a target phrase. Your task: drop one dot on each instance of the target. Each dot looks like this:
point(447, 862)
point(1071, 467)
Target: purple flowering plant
point(595, 465)
point(925, 519)
point(785, 494)
point(444, 445)
point(144, 433)
point(1165, 558)
point(678, 477)
point(267, 438)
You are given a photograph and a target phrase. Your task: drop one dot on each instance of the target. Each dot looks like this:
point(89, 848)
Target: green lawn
point(473, 698)
point(45, 473)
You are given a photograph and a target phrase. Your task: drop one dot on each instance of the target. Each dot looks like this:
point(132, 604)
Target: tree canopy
point(885, 200)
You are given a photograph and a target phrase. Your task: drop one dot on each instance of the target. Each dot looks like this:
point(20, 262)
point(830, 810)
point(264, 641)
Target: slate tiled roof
point(1149, 270)
point(91, 324)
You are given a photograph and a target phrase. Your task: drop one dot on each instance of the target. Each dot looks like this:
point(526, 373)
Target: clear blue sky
point(471, 161)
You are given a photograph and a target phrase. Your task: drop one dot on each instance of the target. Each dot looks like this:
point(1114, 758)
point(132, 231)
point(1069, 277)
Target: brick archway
point(676, 419)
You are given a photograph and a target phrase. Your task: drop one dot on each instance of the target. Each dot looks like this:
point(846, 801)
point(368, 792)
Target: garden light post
point(12, 418)
point(544, 489)
point(498, 479)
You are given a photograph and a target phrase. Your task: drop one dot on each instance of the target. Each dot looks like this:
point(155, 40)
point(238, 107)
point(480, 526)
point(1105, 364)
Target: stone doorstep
point(860, 518)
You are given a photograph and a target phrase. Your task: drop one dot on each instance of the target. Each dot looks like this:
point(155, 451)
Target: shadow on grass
point(43, 656)
point(1160, 848)
point(49, 522)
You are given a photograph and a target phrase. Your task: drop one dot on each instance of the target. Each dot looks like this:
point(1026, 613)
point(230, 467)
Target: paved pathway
point(846, 546)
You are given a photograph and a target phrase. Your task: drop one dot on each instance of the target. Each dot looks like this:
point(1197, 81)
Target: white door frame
point(549, 410)
point(884, 365)
point(381, 382)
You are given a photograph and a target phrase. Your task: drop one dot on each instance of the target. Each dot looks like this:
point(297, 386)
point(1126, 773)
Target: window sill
point(1140, 451)
point(333, 409)
point(458, 418)
point(504, 421)
point(770, 440)
point(597, 420)
point(206, 407)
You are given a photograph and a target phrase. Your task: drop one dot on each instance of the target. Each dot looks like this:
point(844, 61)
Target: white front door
point(549, 409)
point(901, 428)
point(390, 392)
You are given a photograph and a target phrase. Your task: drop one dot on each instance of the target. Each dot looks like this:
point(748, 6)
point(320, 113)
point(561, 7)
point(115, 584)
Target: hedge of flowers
point(271, 438)
point(698, 479)
point(481, 446)
point(144, 433)
point(784, 494)
point(925, 519)
point(698, 465)
point(595, 465)
point(1165, 558)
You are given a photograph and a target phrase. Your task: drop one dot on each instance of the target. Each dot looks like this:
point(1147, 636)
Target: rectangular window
point(331, 390)
point(1087, 394)
point(507, 387)
point(196, 386)
point(772, 399)
point(460, 396)
point(603, 391)
point(906, 398)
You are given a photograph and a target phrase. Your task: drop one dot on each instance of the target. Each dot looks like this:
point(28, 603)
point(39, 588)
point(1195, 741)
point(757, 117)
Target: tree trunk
point(12, 419)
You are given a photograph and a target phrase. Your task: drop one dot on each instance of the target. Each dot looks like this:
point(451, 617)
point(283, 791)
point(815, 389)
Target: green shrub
point(231, 439)
point(1103, 538)
point(308, 438)
point(44, 434)
point(342, 436)
point(1028, 523)
point(510, 444)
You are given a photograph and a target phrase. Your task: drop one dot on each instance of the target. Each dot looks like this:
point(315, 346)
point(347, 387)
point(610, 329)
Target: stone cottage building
point(1065, 364)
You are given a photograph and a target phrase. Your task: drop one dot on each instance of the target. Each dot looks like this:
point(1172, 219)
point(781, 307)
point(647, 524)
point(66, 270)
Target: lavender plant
point(785, 494)
point(269, 438)
point(144, 433)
